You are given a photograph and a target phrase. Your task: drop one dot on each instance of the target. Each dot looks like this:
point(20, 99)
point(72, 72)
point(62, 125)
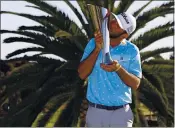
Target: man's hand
point(128, 78)
point(115, 66)
point(98, 40)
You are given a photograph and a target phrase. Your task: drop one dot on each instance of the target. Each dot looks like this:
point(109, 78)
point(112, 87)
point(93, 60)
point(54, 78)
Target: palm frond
point(165, 76)
point(72, 110)
point(83, 7)
point(61, 46)
point(123, 6)
point(152, 14)
point(147, 54)
point(154, 96)
point(66, 115)
point(158, 57)
point(134, 107)
point(18, 39)
point(41, 29)
point(19, 51)
point(156, 68)
point(22, 80)
point(58, 46)
point(45, 116)
point(33, 35)
point(55, 24)
point(84, 26)
point(159, 61)
point(156, 82)
point(32, 7)
point(55, 117)
point(136, 13)
point(97, 2)
point(46, 89)
point(43, 6)
point(44, 20)
point(37, 58)
point(58, 114)
point(62, 20)
point(153, 35)
point(111, 5)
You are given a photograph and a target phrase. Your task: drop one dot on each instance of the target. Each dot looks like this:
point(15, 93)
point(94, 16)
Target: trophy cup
point(100, 17)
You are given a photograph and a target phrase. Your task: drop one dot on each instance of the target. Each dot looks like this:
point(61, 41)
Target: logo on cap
point(125, 17)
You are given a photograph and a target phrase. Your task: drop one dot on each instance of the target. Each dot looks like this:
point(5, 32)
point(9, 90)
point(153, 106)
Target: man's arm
point(85, 67)
point(128, 78)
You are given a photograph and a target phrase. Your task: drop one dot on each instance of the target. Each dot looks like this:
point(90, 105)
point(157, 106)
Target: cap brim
point(119, 22)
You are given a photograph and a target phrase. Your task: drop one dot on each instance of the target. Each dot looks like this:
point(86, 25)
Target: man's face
point(114, 29)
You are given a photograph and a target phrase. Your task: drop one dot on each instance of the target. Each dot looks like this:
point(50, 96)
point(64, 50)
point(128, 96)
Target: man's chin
point(113, 36)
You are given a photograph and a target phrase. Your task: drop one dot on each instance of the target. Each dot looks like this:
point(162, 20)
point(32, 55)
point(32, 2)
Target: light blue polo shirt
point(107, 88)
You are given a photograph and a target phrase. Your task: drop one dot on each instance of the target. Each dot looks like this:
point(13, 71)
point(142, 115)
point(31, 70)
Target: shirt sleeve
point(135, 63)
point(88, 49)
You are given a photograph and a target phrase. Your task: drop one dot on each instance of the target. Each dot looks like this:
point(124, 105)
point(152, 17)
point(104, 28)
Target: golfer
point(109, 86)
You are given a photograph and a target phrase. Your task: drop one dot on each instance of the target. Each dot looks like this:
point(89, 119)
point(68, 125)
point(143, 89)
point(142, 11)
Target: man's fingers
point(107, 69)
point(98, 37)
point(97, 33)
point(107, 66)
point(99, 40)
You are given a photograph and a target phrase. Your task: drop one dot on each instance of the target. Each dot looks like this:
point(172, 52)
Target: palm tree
point(55, 94)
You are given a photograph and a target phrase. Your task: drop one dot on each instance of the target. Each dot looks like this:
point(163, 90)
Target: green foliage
point(159, 61)
point(136, 13)
point(51, 90)
point(153, 35)
point(123, 6)
point(147, 16)
point(148, 54)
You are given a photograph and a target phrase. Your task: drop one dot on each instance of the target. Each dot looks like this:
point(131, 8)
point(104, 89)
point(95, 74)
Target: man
point(109, 86)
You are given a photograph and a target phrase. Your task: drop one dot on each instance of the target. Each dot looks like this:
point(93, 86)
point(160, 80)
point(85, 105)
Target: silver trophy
point(100, 18)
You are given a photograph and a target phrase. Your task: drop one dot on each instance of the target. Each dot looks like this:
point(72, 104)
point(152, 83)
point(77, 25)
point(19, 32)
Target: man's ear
point(124, 35)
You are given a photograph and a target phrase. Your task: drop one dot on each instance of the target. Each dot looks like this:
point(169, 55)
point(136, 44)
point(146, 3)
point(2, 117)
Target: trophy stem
point(100, 17)
point(107, 58)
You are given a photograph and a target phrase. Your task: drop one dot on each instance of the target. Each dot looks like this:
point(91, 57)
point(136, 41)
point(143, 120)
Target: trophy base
point(107, 59)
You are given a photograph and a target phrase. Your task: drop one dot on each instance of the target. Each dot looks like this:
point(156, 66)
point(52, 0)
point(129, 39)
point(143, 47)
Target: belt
point(106, 107)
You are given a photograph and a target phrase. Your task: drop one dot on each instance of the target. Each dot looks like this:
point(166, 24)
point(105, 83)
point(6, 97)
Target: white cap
point(126, 21)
